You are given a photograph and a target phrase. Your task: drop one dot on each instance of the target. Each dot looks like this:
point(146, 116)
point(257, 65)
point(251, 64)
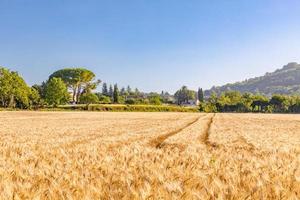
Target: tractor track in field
point(159, 141)
point(141, 138)
point(240, 145)
point(204, 138)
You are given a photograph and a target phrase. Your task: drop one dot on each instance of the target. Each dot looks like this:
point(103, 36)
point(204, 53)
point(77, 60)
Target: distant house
point(168, 98)
point(191, 103)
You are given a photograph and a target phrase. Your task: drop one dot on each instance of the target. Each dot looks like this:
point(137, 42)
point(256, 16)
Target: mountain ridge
point(282, 81)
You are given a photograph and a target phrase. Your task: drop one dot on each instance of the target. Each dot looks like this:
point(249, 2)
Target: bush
point(88, 98)
point(129, 108)
point(210, 108)
point(104, 99)
point(130, 101)
point(155, 100)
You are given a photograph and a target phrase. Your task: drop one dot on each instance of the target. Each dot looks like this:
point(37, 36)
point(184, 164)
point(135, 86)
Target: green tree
point(183, 95)
point(123, 91)
point(295, 105)
point(124, 95)
point(129, 90)
point(89, 98)
point(116, 94)
point(111, 92)
point(56, 92)
point(230, 101)
point(137, 92)
point(155, 100)
point(103, 99)
point(34, 98)
point(259, 103)
point(40, 89)
point(200, 95)
point(14, 92)
point(104, 89)
point(210, 105)
point(280, 103)
point(79, 80)
point(130, 101)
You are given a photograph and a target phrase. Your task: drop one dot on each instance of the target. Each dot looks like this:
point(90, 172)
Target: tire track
point(142, 138)
point(159, 142)
point(204, 138)
point(240, 144)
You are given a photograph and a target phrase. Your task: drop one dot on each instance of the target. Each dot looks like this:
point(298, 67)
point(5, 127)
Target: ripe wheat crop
point(87, 155)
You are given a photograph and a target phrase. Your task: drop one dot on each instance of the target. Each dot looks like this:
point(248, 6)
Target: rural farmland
point(90, 155)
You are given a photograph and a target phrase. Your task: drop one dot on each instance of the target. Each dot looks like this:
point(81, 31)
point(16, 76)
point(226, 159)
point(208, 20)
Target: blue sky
point(151, 44)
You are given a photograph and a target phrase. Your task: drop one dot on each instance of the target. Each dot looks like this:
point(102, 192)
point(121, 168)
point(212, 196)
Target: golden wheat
point(88, 155)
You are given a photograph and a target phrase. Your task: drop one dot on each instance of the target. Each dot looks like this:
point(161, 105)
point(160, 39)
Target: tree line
point(15, 93)
point(234, 101)
point(77, 86)
point(69, 86)
point(112, 94)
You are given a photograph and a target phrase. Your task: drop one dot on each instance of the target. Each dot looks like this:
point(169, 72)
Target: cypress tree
point(104, 89)
point(200, 95)
point(116, 94)
point(111, 91)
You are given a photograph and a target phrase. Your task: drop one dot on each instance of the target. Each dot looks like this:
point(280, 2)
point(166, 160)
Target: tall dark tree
point(104, 89)
point(137, 92)
point(116, 95)
point(40, 89)
point(111, 91)
point(129, 90)
point(123, 91)
point(200, 95)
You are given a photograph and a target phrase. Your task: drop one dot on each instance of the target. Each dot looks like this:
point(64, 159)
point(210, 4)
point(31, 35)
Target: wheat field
point(89, 155)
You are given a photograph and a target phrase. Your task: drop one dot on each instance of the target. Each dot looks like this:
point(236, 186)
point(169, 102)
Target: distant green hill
point(282, 81)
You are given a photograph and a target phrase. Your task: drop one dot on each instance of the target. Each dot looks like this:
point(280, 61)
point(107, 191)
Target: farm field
point(94, 155)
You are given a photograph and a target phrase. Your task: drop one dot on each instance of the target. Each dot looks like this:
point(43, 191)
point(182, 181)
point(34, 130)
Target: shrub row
point(129, 108)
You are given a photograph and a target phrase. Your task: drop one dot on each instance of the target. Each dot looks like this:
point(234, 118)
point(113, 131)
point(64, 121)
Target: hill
point(282, 81)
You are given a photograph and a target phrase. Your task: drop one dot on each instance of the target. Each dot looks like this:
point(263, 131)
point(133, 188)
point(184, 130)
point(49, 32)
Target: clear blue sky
point(153, 44)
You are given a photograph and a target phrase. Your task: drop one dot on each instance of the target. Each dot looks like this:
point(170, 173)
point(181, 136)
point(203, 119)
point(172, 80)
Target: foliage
point(129, 108)
point(14, 92)
point(40, 89)
point(34, 98)
point(280, 103)
point(200, 95)
point(79, 80)
point(103, 99)
point(155, 99)
point(183, 95)
point(111, 92)
point(104, 89)
point(56, 92)
point(234, 101)
point(129, 90)
point(89, 98)
point(283, 81)
point(116, 94)
point(130, 101)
